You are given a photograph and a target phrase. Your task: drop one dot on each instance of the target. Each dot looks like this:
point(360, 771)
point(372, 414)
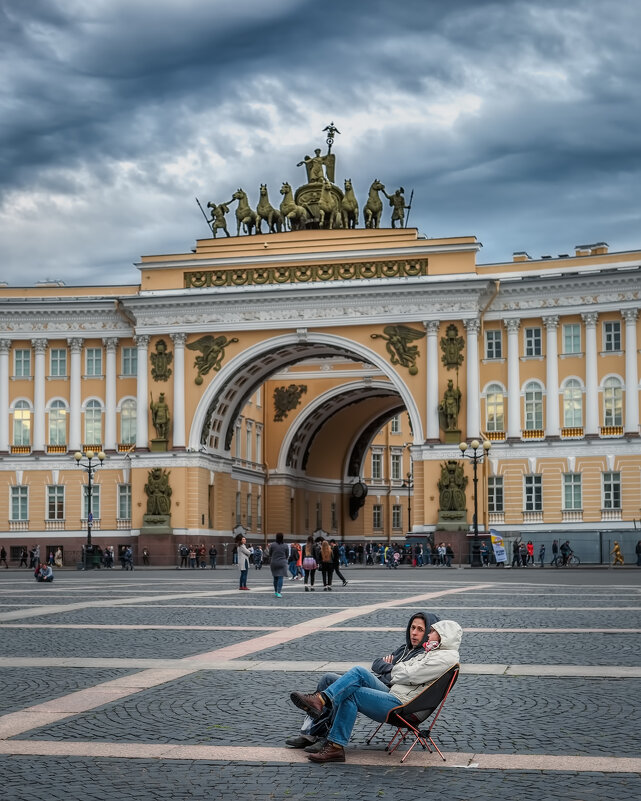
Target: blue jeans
point(278, 583)
point(243, 578)
point(356, 691)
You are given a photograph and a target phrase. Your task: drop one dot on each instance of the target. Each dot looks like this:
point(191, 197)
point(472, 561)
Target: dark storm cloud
point(515, 121)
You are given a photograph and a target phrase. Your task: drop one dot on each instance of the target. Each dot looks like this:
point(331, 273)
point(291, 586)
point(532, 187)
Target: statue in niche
point(286, 399)
point(450, 407)
point(452, 346)
point(158, 492)
point(160, 361)
point(160, 416)
point(212, 351)
point(451, 487)
point(397, 339)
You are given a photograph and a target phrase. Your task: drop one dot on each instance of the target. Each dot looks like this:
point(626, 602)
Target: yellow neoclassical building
point(323, 379)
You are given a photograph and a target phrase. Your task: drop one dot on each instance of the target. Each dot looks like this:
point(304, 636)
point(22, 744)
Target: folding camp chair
point(408, 718)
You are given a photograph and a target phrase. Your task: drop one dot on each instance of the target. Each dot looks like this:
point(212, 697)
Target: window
point(533, 407)
point(259, 443)
point(19, 503)
point(58, 362)
point(572, 491)
point(93, 423)
point(495, 420)
point(396, 466)
point(319, 515)
point(128, 422)
point(612, 490)
point(333, 516)
point(124, 501)
point(377, 465)
point(248, 440)
point(495, 494)
point(55, 503)
point(94, 361)
point(95, 502)
point(533, 342)
point(572, 404)
point(493, 347)
point(237, 430)
point(533, 493)
point(130, 361)
point(57, 423)
point(377, 516)
point(21, 424)
point(612, 402)
point(395, 427)
point(22, 363)
point(572, 338)
point(249, 510)
point(238, 508)
point(259, 512)
point(397, 516)
point(612, 335)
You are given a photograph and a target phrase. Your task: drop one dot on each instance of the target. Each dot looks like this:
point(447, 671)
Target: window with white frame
point(250, 516)
point(493, 344)
point(124, 501)
point(377, 516)
point(533, 407)
point(57, 423)
point(612, 402)
point(533, 491)
point(237, 510)
point(249, 426)
point(55, 503)
point(93, 362)
point(259, 511)
point(611, 490)
point(572, 404)
point(95, 502)
point(533, 342)
point(22, 363)
point(128, 422)
point(129, 361)
point(396, 466)
point(259, 443)
point(93, 422)
point(572, 495)
point(395, 425)
point(611, 335)
point(397, 516)
point(19, 503)
point(571, 338)
point(495, 494)
point(58, 362)
point(21, 424)
point(377, 465)
point(494, 409)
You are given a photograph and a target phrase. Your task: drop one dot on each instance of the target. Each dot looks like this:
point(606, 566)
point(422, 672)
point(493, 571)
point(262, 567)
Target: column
point(631, 372)
point(75, 398)
point(179, 390)
point(40, 348)
point(552, 376)
point(111, 439)
point(591, 377)
point(513, 380)
point(473, 389)
point(142, 429)
point(5, 345)
point(431, 413)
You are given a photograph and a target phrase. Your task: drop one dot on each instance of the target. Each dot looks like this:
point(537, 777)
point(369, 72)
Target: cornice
point(89, 317)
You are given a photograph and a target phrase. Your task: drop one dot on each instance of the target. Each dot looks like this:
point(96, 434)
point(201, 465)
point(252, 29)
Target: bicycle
point(571, 561)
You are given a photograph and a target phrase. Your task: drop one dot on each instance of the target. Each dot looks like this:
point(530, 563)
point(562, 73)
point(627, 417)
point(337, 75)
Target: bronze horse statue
point(244, 215)
point(374, 206)
point(265, 211)
point(297, 216)
point(328, 208)
point(349, 206)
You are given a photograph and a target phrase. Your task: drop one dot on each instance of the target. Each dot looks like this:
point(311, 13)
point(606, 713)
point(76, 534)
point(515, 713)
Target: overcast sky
point(518, 122)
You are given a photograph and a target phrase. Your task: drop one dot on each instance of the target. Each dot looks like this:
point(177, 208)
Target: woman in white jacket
point(359, 690)
point(243, 561)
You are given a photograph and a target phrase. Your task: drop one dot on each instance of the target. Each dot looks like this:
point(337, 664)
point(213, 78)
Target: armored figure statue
point(450, 406)
point(160, 416)
point(451, 487)
point(397, 202)
point(158, 492)
point(218, 222)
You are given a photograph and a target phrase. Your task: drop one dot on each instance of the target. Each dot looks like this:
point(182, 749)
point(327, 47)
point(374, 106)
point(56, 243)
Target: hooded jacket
point(383, 669)
point(409, 677)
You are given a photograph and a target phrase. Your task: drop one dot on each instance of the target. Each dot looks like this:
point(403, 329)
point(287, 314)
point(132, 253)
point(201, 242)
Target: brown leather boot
point(330, 753)
point(312, 703)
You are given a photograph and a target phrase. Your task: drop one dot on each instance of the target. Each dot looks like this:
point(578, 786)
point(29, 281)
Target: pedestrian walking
point(485, 554)
point(327, 564)
point(278, 555)
point(213, 555)
point(516, 553)
point(23, 557)
point(449, 554)
point(3, 556)
point(555, 553)
point(337, 563)
point(311, 555)
point(530, 552)
point(58, 557)
point(638, 552)
point(145, 556)
point(129, 558)
point(243, 553)
point(542, 554)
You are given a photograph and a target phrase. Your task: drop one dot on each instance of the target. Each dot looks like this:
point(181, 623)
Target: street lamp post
point(90, 466)
point(476, 457)
point(409, 483)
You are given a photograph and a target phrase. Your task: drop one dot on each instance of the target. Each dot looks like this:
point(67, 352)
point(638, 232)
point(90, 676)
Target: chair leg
point(371, 737)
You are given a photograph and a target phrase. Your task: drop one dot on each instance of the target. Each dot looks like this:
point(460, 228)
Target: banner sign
point(497, 545)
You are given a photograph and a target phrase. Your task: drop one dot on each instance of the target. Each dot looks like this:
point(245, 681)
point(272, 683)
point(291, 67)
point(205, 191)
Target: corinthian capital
point(179, 339)
point(513, 325)
point(590, 319)
point(432, 327)
point(142, 341)
point(629, 315)
point(551, 322)
point(472, 326)
point(39, 345)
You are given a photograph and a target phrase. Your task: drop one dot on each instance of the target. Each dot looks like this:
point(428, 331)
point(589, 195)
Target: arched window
point(533, 407)
point(93, 423)
point(495, 419)
point(572, 404)
point(128, 422)
point(612, 402)
point(21, 424)
point(57, 423)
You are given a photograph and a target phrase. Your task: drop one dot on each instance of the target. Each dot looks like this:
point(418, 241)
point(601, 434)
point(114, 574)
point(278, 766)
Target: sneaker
point(306, 588)
point(300, 741)
point(278, 595)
